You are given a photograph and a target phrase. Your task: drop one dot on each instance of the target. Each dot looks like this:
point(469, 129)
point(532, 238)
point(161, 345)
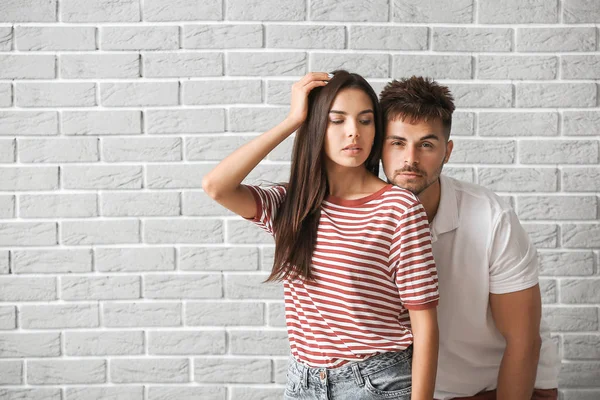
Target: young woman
point(353, 252)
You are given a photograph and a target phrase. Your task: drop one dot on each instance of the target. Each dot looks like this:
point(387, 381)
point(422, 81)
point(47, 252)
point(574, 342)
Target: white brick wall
point(116, 270)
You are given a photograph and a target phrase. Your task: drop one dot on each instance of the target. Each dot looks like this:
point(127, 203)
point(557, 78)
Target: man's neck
point(430, 198)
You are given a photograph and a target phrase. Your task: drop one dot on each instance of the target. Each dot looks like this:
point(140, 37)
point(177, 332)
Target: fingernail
point(330, 75)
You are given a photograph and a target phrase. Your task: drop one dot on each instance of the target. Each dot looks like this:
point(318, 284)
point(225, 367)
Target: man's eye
point(427, 145)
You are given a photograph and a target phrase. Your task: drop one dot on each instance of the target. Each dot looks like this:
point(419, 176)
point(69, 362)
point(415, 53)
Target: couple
point(360, 258)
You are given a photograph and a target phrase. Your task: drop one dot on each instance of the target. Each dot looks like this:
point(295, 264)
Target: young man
point(493, 344)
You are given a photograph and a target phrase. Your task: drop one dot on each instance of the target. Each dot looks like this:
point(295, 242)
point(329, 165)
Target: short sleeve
point(416, 274)
point(513, 259)
point(267, 201)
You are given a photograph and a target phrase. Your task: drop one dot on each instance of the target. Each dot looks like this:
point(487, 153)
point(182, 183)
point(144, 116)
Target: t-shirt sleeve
point(416, 274)
point(513, 259)
point(267, 201)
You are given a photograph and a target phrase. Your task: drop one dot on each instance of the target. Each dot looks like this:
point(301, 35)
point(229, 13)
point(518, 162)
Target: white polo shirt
point(479, 248)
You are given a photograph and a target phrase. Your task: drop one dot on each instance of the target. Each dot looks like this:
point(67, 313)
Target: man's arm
point(517, 316)
point(425, 352)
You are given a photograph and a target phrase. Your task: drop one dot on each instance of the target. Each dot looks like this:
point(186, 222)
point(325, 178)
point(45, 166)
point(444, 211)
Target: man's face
point(414, 154)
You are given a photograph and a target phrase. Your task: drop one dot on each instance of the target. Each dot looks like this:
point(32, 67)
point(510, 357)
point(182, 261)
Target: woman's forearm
point(425, 353)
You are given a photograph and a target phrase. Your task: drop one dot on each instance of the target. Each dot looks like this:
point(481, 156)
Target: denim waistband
point(347, 371)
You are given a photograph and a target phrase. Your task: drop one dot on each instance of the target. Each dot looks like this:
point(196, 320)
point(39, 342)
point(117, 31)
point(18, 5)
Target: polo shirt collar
point(446, 218)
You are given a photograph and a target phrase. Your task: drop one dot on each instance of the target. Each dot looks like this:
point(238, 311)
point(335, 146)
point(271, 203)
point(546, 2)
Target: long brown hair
point(297, 219)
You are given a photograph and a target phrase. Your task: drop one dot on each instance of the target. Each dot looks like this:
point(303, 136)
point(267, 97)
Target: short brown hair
point(418, 99)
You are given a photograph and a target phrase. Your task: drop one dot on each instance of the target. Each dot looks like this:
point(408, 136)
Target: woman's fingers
point(311, 85)
point(313, 76)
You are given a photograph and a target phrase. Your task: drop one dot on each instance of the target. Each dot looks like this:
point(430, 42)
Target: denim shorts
point(383, 376)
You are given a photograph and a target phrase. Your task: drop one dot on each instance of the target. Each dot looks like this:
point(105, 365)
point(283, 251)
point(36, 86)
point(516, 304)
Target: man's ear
point(449, 147)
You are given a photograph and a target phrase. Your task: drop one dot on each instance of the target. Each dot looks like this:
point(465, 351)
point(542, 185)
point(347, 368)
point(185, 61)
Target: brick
point(557, 207)
point(203, 92)
point(548, 291)
point(483, 151)
point(100, 232)
point(8, 318)
point(549, 95)
point(51, 261)
point(18, 66)
point(279, 91)
point(99, 66)
point(6, 38)
point(101, 122)
point(100, 11)
point(270, 64)
point(432, 11)
point(280, 370)
point(175, 65)
point(463, 174)
point(283, 151)
point(176, 176)
point(27, 234)
point(30, 394)
point(6, 95)
point(276, 314)
point(134, 259)
point(218, 258)
point(100, 288)
point(255, 119)
point(554, 263)
point(182, 10)
point(267, 257)
point(306, 36)
point(556, 39)
point(186, 343)
point(558, 151)
point(101, 177)
point(57, 150)
point(187, 286)
point(7, 150)
point(222, 36)
point(7, 206)
point(264, 342)
point(23, 123)
point(571, 319)
point(435, 65)
point(517, 67)
point(585, 236)
point(53, 94)
point(580, 123)
point(186, 393)
point(482, 95)
point(142, 149)
point(265, 10)
point(56, 372)
point(251, 286)
point(130, 204)
point(172, 370)
point(367, 65)
point(196, 203)
point(28, 11)
point(348, 10)
point(183, 231)
point(28, 178)
point(139, 38)
point(136, 94)
point(236, 370)
point(519, 179)
point(212, 148)
point(224, 313)
point(518, 12)
point(21, 345)
point(366, 37)
point(472, 39)
point(517, 124)
point(5, 261)
point(580, 11)
point(58, 206)
point(185, 121)
point(573, 375)
point(60, 316)
point(120, 392)
point(580, 394)
point(50, 38)
point(267, 175)
point(27, 289)
point(579, 291)
point(11, 373)
point(104, 343)
point(581, 67)
point(542, 236)
point(581, 347)
point(121, 315)
point(247, 233)
point(581, 179)
point(257, 393)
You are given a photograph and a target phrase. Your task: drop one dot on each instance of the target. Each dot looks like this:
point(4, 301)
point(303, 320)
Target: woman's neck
point(351, 183)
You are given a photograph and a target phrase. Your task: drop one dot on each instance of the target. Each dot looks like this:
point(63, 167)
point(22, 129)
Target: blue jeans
point(383, 376)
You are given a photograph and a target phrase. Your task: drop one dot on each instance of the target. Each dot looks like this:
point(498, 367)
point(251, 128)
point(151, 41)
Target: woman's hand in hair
point(300, 92)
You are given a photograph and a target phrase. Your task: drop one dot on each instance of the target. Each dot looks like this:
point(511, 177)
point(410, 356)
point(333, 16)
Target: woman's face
point(351, 128)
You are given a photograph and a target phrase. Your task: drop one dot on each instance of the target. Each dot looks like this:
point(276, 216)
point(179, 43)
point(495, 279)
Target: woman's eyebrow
point(345, 113)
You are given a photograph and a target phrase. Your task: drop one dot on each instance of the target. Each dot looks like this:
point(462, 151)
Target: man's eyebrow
point(345, 113)
point(431, 136)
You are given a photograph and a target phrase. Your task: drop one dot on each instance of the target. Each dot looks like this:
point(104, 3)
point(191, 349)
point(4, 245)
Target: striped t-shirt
point(372, 262)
